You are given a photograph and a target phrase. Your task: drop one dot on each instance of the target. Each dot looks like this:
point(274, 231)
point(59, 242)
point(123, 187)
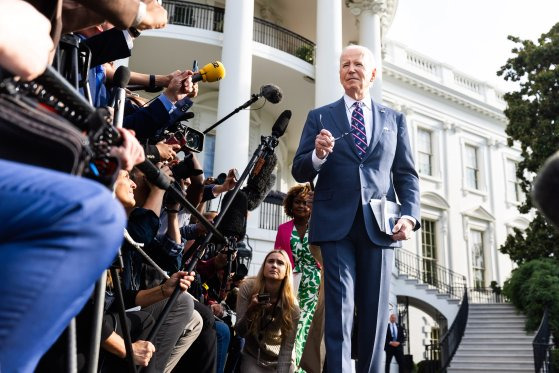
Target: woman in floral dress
point(292, 237)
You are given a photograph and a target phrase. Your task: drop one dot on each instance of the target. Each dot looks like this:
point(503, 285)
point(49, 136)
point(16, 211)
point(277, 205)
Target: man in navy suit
point(395, 337)
point(359, 152)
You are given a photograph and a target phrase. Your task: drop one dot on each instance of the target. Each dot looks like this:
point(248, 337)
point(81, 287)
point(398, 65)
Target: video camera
point(188, 138)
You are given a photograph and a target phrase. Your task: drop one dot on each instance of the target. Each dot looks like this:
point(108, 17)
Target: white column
point(232, 136)
point(328, 50)
point(370, 14)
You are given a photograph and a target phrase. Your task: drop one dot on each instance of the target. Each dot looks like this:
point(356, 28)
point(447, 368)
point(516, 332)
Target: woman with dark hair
point(292, 237)
point(267, 316)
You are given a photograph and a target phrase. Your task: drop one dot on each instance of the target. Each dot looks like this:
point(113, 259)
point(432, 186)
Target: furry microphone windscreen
point(259, 185)
point(234, 222)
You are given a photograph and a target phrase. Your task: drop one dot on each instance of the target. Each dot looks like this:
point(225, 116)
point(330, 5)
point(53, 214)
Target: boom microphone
point(261, 181)
point(211, 72)
point(545, 188)
point(271, 92)
point(281, 124)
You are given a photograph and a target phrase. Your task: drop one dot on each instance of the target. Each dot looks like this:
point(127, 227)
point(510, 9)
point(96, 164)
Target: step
point(496, 321)
point(495, 330)
point(493, 339)
point(494, 312)
point(523, 355)
point(491, 344)
point(502, 365)
point(475, 358)
point(491, 369)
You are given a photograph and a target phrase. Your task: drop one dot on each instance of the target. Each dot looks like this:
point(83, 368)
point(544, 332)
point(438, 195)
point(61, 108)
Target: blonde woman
point(267, 316)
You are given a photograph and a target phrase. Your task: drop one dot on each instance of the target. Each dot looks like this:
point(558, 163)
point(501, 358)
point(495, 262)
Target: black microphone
point(281, 124)
point(234, 221)
point(545, 188)
point(271, 92)
point(154, 175)
point(120, 80)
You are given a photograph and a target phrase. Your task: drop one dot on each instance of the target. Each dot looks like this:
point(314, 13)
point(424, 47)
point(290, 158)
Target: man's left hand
point(402, 230)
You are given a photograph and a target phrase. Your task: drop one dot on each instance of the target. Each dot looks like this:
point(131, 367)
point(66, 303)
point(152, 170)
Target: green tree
point(533, 114)
point(533, 287)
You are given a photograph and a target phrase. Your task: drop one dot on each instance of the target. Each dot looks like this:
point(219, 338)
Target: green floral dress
point(308, 288)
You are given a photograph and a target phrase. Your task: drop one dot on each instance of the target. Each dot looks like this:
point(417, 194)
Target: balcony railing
point(186, 13)
point(443, 279)
point(271, 211)
point(486, 295)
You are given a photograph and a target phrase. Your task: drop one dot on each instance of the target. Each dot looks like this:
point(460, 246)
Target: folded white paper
point(386, 213)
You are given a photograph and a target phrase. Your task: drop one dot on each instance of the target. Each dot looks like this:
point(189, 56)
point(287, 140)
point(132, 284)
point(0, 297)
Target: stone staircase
point(494, 341)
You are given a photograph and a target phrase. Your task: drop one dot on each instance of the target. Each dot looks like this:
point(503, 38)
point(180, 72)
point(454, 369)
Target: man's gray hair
point(366, 52)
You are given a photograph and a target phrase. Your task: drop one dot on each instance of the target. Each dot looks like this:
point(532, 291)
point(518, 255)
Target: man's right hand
point(156, 16)
point(143, 351)
point(324, 143)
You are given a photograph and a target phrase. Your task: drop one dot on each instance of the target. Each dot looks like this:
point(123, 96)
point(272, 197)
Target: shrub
point(534, 286)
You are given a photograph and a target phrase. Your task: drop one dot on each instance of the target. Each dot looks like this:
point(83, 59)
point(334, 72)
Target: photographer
point(267, 316)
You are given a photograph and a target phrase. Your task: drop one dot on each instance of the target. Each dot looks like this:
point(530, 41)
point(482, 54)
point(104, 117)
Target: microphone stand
point(252, 100)
point(267, 144)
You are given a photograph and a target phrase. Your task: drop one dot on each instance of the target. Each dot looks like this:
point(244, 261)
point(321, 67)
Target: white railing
point(435, 71)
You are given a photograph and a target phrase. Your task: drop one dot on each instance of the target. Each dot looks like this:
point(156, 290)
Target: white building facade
point(469, 190)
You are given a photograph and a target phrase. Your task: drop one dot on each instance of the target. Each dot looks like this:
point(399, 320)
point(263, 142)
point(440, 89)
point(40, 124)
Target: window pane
point(478, 262)
point(471, 178)
point(424, 163)
point(513, 186)
point(424, 141)
point(471, 156)
point(429, 252)
point(208, 154)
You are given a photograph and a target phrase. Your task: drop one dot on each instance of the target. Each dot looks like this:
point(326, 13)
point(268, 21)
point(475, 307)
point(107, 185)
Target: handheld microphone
point(120, 80)
point(271, 92)
point(211, 72)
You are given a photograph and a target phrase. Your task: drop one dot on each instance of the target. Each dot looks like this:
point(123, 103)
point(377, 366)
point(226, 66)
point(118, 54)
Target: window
point(429, 251)
point(513, 186)
point(472, 168)
point(208, 153)
point(435, 339)
point(424, 152)
point(478, 261)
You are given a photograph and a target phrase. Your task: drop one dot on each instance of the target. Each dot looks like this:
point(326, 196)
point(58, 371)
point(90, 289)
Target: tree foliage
point(533, 287)
point(533, 114)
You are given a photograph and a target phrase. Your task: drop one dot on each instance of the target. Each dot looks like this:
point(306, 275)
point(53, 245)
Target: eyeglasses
point(335, 138)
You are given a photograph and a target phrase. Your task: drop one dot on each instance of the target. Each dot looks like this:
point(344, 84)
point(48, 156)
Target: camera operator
point(60, 230)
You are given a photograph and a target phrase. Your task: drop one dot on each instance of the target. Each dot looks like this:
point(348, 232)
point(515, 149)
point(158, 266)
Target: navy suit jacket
point(345, 180)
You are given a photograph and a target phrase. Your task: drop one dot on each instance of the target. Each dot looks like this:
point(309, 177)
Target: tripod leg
point(122, 317)
point(72, 356)
point(98, 303)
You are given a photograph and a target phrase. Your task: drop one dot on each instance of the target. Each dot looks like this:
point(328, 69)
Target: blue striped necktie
point(358, 129)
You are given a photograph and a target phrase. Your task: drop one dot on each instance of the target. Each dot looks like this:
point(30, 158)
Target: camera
point(186, 137)
point(263, 298)
point(185, 169)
